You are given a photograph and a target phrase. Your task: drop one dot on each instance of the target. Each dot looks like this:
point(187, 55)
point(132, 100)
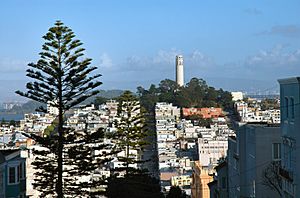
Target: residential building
point(51, 108)
point(213, 189)
point(166, 116)
point(219, 187)
point(290, 126)
point(237, 95)
point(233, 168)
point(10, 105)
point(201, 177)
point(183, 145)
point(181, 180)
point(254, 113)
point(257, 147)
point(205, 113)
point(36, 123)
point(211, 150)
point(12, 174)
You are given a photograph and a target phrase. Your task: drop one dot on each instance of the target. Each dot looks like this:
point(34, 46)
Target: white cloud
point(165, 60)
point(161, 61)
point(166, 56)
point(276, 57)
point(200, 60)
point(135, 60)
point(261, 69)
point(290, 31)
point(105, 61)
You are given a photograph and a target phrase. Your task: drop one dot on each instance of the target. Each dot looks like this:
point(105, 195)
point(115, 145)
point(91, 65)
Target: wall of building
point(265, 138)
point(201, 177)
point(255, 154)
point(290, 125)
point(222, 176)
point(233, 168)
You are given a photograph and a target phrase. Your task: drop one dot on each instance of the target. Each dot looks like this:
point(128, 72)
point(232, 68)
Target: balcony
point(286, 174)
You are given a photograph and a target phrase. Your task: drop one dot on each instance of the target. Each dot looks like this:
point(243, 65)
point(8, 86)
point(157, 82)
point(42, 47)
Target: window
point(234, 163)
point(292, 105)
point(224, 182)
point(12, 175)
point(21, 170)
point(276, 151)
point(1, 181)
point(24, 170)
point(18, 173)
point(286, 107)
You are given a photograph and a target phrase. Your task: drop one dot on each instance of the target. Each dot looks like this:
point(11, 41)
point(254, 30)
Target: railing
point(288, 175)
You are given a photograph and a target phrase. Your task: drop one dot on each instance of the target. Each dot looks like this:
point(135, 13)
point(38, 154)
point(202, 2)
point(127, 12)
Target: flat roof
point(292, 80)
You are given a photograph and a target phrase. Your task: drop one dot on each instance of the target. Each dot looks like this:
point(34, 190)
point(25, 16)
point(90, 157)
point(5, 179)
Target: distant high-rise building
point(179, 70)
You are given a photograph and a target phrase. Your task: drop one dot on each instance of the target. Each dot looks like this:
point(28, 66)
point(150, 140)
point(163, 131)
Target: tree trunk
point(59, 187)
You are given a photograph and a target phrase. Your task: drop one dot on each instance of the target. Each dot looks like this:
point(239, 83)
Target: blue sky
point(236, 45)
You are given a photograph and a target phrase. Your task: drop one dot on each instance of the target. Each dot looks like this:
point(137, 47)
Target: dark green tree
point(167, 90)
point(140, 91)
point(12, 123)
point(85, 156)
point(168, 85)
point(196, 90)
point(199, 121)
point(134, 186)
point(45, 165)
point(99, 101)
point(62, 77)
point(148, 98)
point(196, 93)
point(175, 192)
point(3, 122)
point(131, 133)
point(267, 104)
point(225, 99)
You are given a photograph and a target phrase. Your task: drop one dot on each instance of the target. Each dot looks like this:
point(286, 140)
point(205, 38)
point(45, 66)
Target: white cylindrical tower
point(179, 70)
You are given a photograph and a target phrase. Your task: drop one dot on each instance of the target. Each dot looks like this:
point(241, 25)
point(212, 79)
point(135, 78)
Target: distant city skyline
point(234, 45)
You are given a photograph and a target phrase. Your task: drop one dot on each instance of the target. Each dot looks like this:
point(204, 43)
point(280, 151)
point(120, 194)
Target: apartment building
point(290, 126)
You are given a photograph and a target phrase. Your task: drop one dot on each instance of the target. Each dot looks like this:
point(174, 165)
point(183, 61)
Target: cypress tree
point(62, 77)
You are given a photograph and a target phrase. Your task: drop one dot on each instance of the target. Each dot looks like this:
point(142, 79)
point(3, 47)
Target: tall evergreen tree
point(130, 139)
point(61, 76)
point(131, 132)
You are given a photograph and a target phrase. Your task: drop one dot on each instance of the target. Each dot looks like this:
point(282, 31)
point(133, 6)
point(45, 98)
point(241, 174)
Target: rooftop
point(292, 80)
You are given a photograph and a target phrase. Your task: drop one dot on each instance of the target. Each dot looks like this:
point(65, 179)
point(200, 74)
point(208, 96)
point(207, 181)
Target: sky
point(234, 45)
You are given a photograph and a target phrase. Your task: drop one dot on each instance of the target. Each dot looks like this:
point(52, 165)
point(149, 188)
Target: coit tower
point(179, 70)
